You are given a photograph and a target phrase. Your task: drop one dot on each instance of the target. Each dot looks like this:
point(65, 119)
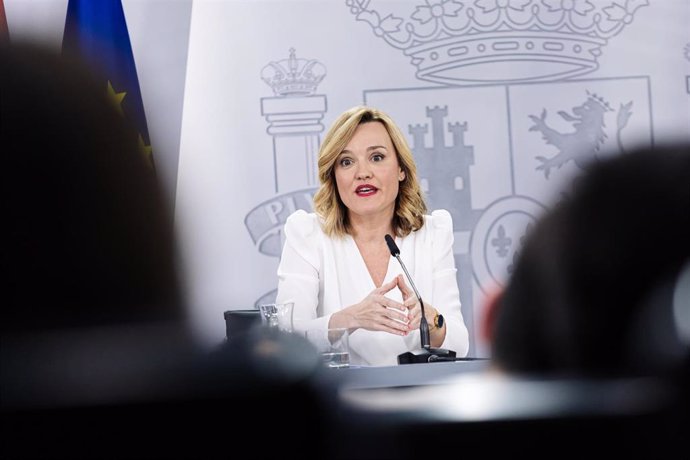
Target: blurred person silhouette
point(591, 291)
point(336, 265)
point(89, 241)
point(593, 311)
point(96, 356)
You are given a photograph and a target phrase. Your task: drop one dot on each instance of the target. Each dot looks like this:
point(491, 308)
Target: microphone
point(423, 325)
point(425, 354)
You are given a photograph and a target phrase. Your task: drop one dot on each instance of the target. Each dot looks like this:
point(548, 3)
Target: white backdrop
point(479, 86)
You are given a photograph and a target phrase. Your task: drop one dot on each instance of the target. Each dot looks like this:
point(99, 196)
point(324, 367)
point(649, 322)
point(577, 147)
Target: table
point(361, 377)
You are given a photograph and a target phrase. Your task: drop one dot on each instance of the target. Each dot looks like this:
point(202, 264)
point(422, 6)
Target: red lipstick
point(366, 190)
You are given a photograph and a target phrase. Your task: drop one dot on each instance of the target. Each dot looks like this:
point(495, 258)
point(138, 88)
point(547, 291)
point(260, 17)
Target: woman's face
point(367, 173)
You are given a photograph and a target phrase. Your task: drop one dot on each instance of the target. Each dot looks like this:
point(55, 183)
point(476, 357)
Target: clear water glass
point(333, 344)
point(278, 315)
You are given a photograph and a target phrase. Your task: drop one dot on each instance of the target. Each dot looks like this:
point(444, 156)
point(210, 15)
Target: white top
point(323, 275)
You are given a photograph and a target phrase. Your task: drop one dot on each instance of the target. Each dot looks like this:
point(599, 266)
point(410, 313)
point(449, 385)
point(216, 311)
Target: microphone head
point(392, 247)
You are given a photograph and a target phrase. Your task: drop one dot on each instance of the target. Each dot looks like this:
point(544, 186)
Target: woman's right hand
point(375, 313)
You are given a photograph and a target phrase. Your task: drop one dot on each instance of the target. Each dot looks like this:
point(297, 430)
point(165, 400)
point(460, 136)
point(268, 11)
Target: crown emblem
point(293, 76)
point(599, 100)
point(462, 42)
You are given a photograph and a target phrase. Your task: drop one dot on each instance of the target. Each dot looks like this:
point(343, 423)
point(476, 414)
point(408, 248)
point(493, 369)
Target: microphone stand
point(427, 353)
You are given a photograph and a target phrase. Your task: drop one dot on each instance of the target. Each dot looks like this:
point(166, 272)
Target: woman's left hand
point(414, 308)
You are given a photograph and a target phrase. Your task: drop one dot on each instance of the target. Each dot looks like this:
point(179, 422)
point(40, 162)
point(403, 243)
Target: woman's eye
point(377, 157)
point(345, 162)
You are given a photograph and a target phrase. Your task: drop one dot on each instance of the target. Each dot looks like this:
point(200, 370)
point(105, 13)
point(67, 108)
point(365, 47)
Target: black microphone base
point(426, 355)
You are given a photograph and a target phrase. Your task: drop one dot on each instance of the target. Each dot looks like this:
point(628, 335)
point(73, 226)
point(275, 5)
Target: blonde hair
point(409, 205)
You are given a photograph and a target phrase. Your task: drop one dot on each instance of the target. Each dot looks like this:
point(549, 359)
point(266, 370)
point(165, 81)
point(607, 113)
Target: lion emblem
point(582, 144)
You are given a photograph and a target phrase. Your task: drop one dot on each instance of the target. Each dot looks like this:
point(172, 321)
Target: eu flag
point(97, 32)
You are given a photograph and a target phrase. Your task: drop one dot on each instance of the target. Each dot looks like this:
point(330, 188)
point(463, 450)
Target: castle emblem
point(455, 42)
point(581, 145)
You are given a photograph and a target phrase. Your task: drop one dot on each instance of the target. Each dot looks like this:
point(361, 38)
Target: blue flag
point(97, 32)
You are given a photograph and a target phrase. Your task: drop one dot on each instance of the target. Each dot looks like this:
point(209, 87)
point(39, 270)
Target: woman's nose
point(363, 172)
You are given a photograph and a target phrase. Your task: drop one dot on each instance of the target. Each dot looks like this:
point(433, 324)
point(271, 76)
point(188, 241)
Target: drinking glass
point(333, 344)
point(278, 315)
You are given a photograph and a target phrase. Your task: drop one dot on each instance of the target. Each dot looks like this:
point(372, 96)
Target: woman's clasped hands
point(376, 312)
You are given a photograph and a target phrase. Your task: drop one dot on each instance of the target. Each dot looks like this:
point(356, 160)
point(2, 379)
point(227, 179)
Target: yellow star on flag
point(116, 97)
point(147, 151)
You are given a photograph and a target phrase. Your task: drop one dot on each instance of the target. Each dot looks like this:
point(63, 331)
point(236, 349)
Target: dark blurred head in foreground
point(592, 291)
point(87, 238)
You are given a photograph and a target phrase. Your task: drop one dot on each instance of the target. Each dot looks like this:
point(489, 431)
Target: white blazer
point(322, 275)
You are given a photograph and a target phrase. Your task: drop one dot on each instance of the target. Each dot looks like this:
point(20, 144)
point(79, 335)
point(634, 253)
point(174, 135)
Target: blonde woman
point(336, 266)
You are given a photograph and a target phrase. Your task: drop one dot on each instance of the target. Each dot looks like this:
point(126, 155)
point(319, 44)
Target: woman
point(336, 266)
